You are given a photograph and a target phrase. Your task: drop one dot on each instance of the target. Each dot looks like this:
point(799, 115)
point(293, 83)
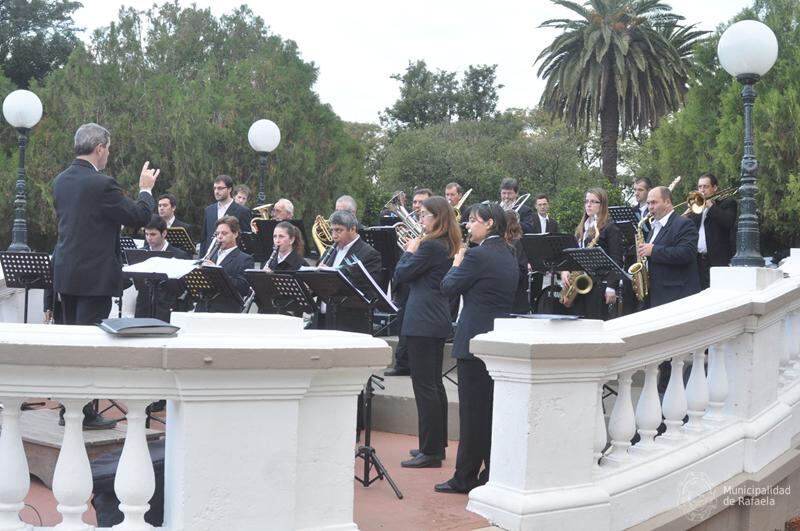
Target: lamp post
point(22, 109)
point(264, 136)
point(747, 50)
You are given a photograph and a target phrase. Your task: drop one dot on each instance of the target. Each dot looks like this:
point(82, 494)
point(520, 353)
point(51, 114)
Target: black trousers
point(475, 395)
point(425, 357)
point(82, 310)
point(704, 268)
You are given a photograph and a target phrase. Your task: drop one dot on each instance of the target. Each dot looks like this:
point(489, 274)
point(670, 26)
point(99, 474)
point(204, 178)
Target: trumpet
point(321, 234)
point(407, 228)
point(696, 202)
point(263, 212)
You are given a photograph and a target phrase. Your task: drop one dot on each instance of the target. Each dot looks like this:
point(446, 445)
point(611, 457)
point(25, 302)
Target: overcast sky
point(358, 44)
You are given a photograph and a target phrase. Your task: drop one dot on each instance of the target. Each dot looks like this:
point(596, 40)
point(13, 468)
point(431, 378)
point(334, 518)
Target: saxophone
point(579, 281)
point(638, 271)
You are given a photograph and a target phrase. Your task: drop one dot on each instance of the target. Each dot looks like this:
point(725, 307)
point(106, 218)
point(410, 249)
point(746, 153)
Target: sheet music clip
point(27, 270)
point(208, 284)
point(282, 291)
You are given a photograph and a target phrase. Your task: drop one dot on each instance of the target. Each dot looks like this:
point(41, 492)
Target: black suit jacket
point(167, 294)
point(210, 222)
point(91, 207)
point(720, 233)
point(178, 223)
point(292, 262)
point(355, 319)
point(593, 305)
point(427, 310)
point(551, 228)
point(486, 279)
point(526, 219)
point(234, 265)
point(673, 264)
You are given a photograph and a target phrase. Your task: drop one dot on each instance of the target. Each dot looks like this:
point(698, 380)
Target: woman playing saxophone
point(596, 226)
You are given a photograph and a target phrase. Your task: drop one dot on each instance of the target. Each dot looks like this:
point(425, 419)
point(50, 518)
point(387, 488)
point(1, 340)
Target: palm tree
point(624, 62)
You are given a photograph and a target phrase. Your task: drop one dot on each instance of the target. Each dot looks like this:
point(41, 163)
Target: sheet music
point(375, 285)
point(172, 267)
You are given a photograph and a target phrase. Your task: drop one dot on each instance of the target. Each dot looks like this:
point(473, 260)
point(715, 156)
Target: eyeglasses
point(424, 214)
point(220, 188)
point(591, 202)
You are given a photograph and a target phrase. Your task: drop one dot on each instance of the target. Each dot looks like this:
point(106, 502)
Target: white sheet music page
point(172, 267)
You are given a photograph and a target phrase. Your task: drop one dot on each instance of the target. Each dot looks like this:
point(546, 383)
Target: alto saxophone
point(638, 271)
point(579, 281)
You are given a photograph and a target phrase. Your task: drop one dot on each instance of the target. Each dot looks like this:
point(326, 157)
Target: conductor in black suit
point(167, 294)
point(486, 276)
point(509, 192)
point(225, 206)
point(716, 237)
point(91, 207)
point(671, 252)
point(233, 261)
point(347, 246)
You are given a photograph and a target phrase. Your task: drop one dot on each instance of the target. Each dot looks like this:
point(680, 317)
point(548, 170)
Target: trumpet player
point(509, 192)
point(596, 229)
point(716, 240)
point(224, 206)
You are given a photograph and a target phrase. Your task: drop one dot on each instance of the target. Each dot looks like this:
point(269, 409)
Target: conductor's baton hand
point(147, 179)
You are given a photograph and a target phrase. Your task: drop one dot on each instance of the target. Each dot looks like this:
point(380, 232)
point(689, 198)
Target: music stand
point(626, 219)
point(27, 270)
point(209, 283)
point(595, 261)
point(151, 281)
point(250, 243)
point(179, 237)
point(545, 253)
point(384, 240)
point(287, 293)
point(267, 226)
point(333, 287)
point(126, 242)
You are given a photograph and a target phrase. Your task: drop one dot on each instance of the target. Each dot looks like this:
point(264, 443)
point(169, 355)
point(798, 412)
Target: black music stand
point(212, 283)
point(126, 243)
point(267, 226)
point(384, 240)
point(286, 293)
point(27, 270)
point(366, 451)
point(595, 261)
point(335, 289)
point(626, 219)
point(250, 243)
point(545, 252)
point(375, 294)
point(179, 237)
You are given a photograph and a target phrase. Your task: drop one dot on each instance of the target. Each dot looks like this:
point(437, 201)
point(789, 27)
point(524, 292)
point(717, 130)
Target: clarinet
point(271, 257)
point(326, 254)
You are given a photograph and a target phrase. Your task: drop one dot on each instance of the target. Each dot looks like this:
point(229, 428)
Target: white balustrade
point(14, 479)
point(717, 382)
point(648, 410)
point(135, 481)
point(697, 392)
point(674, 406)
point(72, 479)
point(622, 424)
point(600, 432)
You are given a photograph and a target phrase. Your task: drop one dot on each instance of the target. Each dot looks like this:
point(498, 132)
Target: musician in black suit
point(641, 187)
point(596, 229)
point(232, 260)
point(167, 205)
point(542, 223)
point(513, 237)
point(509, 191)
point(716, 234)
point(91, 207)
point(225, 206)
point(671, 252)
point(348, 246)
point(486, 276)
point(155, 234)
point(287, 255)
point(426, 323)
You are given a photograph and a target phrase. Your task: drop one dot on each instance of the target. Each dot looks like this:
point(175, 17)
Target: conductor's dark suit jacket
point(91, 207)
point(234, 265)
point(720, 234)
point(673, 264)
point(167, 294)
point(487, 279)
point(210, 221)
point(427, 310)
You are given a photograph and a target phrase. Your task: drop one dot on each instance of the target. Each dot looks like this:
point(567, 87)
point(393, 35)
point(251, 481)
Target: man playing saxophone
point(596, 229)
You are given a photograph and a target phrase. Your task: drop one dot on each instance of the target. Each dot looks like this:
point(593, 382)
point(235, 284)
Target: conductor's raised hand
point(147, 179)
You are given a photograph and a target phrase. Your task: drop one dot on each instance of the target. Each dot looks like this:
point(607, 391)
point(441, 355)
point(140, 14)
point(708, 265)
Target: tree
point(428, 98)
point(622, 64)
point(36, 37)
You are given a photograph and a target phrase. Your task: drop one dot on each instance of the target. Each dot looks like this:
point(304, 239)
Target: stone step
point(42, 436)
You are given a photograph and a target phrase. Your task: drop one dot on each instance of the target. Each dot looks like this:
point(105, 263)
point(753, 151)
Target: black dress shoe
point(397, 372)
point(423, 461)
point(414, 452)
point(447, 488)
point(96, 422)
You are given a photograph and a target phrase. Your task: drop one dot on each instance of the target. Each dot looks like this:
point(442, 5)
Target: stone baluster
point(135, 481)
point(674, 405)
point(622, 424)
point(789, 358)
point(717, 382)
point(794, 322)
point(697, 391)
point(785, 368)
point(648, 410)
point(72, 479)
point(600, 434)
point(14, 478)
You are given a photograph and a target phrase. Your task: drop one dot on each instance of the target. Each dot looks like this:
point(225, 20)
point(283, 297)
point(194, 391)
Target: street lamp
point(22, 109)
point(264, 136)
point(747, 50)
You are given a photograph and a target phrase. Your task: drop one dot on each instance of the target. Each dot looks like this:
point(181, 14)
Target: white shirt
point(222, 208)
point(163, 246)
point(658, 225)
point(702, 247)
point(342, 251)
point(282, 257)
point(170, 222)
point(222, 254)
point(642, 211)
point(543, 221)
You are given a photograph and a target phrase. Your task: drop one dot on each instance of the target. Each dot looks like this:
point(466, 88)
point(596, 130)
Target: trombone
point(516, 205)
point(460, 203)
point(696, 202)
